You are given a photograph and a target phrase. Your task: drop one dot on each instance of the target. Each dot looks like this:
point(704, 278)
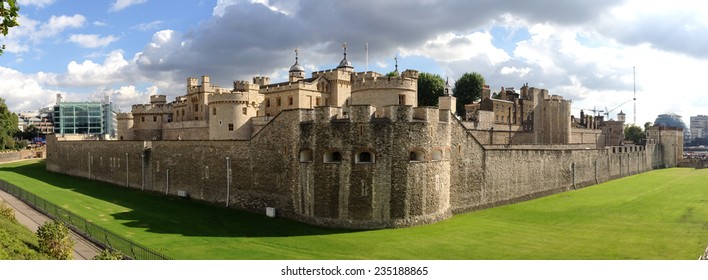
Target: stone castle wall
point(409, 166)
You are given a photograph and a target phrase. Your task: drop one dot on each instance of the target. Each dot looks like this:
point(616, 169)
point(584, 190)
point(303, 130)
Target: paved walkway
point(32, 219)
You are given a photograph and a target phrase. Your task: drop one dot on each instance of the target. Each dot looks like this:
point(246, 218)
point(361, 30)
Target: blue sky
point(582, 50)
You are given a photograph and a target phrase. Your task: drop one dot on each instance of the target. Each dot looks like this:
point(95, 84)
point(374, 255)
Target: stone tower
point(620, 116)
point(447, 101)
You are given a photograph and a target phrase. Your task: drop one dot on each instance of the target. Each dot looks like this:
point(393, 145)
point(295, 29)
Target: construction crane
point(594, 110)
point(607, 112)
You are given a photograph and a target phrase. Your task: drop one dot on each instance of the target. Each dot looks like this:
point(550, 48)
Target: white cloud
point(36, 3)
point(125, 96)
point(451, 47)
point(92, 40)
point(149, 25)
point(506, 70)
point(22, 92)
point(99, 23)
point(122, 4)
point(89, 73)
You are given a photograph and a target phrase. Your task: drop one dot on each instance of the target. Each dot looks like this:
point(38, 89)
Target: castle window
point(290, 100)
point(437, 155)
point(364, 157)
point(142, 119)
point(416, 156)
point(196, 107)
point(267, 102)
point(213, 111)
point(306, 155)
point(326, 102)
point(332, 157)
point(317, 101)
point(231, 127)
point(244, 110)
point(401, 99)
point(154, 118)
point(277, 102)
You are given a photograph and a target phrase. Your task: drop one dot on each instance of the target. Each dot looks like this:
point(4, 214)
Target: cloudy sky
point(582, 50)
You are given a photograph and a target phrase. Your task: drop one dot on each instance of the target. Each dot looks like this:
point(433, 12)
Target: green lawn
point(661, 214)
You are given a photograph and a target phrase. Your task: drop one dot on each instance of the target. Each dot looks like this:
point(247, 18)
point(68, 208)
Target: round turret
point(297, 72)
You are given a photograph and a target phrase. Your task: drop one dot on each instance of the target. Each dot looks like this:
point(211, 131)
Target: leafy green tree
point(8, 126)
point(647, 125)
point(55, 240)
point(468, 89)
point(430, 87)
point(109, 255)
point(633, 133)
point(392, 74)
point(9, 11)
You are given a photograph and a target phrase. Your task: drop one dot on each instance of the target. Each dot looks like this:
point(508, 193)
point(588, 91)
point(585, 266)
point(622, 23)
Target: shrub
point(109, 255)
point(55, 240)
point(7, 212)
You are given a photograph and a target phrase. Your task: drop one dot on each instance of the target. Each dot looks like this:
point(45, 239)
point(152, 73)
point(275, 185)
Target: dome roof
point(345, 64)
point(297, 68)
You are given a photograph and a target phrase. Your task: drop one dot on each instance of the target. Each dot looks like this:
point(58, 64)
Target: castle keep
point(353, 150)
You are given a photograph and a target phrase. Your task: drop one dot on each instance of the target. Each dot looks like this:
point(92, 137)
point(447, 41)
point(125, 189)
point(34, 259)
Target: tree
point(8, 126)
point(9, 11)
point(647, 125)
point(430, 87)
point(468, 89)
point(392, 74)
point(55, 240)
point(633, 133)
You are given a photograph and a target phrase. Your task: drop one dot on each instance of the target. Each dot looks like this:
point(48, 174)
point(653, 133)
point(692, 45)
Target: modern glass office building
point(91, 118)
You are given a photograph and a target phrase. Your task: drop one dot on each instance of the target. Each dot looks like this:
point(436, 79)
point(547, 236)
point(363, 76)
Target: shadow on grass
point(171, 215)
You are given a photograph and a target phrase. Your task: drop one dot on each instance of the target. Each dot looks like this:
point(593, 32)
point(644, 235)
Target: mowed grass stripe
point(661, 214)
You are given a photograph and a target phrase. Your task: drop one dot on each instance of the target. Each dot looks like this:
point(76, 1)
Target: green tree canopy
point(633, 133)
point(8, 126)
point(9, 11)
point(430, 87)
point(468, 89)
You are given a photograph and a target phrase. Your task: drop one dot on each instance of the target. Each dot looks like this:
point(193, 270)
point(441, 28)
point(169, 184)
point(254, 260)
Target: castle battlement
point(124, 116)
point(147, 109)
point(361, 113)
point(228, 97)
point(245, 86)
point(282, 87)
point(327, 113)
point(333, 74)
point(381, 82)
point(398, 113)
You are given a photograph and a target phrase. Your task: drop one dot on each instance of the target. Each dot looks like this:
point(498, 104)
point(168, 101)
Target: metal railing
point(85, 228)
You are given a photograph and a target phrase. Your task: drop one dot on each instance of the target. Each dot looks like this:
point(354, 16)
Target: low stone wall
point(17, 155)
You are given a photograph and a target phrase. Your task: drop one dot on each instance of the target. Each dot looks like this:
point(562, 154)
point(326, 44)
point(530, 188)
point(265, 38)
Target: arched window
point(365, 157)
point(437, 155)
point(416, 155)
point(332, 157)
point(306, 155)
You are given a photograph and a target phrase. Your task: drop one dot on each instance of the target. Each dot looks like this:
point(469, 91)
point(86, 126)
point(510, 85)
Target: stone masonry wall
point(425, 166)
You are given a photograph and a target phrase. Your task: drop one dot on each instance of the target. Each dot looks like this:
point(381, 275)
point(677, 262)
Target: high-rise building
point(91, 118)
point(699, 126)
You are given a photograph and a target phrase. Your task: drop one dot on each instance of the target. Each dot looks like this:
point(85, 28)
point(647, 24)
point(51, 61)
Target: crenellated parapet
point(229, 97)
point(372, 81)
point(147, 109)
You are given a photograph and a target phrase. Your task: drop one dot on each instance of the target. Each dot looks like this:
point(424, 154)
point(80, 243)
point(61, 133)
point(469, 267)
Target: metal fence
point(85, 228)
